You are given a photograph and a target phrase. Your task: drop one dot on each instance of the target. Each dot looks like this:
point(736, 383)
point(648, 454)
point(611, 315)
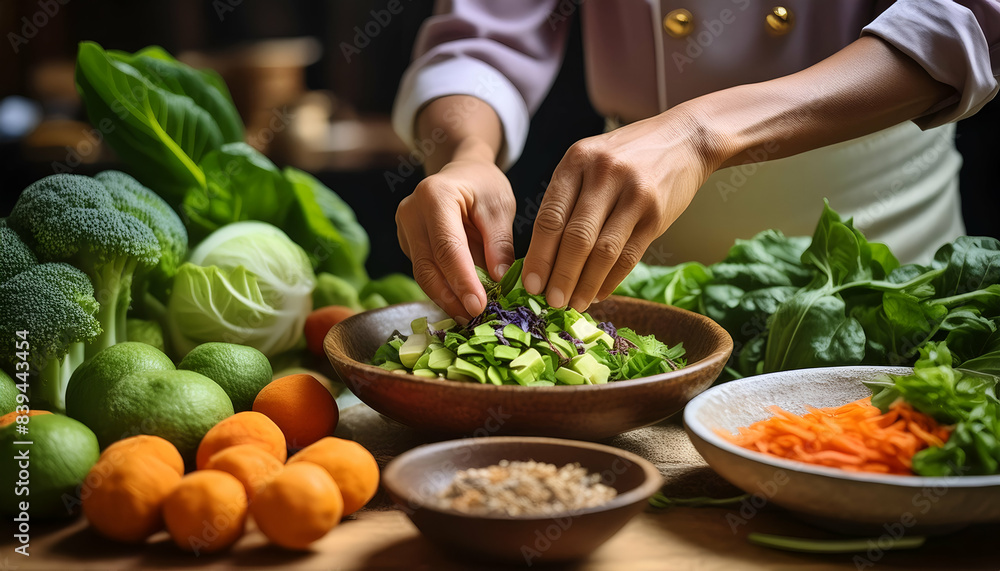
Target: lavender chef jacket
point(508, 52)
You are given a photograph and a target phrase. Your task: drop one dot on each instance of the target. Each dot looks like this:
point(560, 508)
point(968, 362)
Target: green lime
point(50, 469)
point(179, 406)
point(88, 387)
point(241, 371)
point(8, 394)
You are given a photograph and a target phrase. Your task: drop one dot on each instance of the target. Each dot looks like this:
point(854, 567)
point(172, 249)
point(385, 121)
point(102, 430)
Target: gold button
point(679, 23)
point(780, 21)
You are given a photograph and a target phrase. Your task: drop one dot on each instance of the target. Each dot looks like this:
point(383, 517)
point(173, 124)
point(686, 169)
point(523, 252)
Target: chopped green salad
point(520, 340)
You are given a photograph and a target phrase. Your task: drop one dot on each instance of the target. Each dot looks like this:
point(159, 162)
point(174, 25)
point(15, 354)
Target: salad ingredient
point(180, 406)
point(319, 322)
point(240, 370)
point(515, 488)
point(518, 339)
point(856, 436)
point(247, 283)
point(253, 466)
point(46, 319)
point(206, 512)
point(166, 115)
point(334, 290)
point(61, 451)
point(350, 465)
point(394, 288)
point(803, 545)
point(8, 393)
point(243, 428)
point(964, 400)
point(301, 407)
point(111, 228)
point(178, 130)
point(11, 417)
point(123, 497)
point(298, 507)
point(146, 331)
point(87, 390)
point(837, 299)
point(145, 445)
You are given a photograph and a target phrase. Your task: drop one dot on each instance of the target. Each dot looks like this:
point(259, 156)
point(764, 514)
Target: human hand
point(609, 198)
point(455, 219)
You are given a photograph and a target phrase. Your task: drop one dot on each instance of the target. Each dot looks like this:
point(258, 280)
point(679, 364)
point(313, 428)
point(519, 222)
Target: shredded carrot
point(855, 436)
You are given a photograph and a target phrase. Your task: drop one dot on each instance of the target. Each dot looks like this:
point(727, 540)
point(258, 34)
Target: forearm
point(460, 127)
point(866, 87)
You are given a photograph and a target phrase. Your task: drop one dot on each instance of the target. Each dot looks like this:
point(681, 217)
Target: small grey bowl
point(835, 499)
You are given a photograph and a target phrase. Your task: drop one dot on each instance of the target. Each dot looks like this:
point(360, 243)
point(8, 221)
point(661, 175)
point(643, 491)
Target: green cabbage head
point(246, 283)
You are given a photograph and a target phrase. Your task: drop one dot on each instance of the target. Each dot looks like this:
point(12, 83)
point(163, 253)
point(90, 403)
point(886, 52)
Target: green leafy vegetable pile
point(837, 299)
point(519, 339)
point(965, 400)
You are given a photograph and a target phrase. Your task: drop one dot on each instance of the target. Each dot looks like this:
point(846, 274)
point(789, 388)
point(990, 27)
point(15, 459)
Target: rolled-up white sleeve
point(505, 53)
point(956, 41)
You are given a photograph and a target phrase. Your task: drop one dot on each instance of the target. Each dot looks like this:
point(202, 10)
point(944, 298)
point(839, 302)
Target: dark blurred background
point(304, 102)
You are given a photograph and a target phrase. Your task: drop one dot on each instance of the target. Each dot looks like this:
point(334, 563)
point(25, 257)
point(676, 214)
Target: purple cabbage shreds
point(622, 345)
point(499, 333)
point(580, 349)
point(439, 334)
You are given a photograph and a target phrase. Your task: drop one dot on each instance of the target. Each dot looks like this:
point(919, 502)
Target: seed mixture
point(525, 489)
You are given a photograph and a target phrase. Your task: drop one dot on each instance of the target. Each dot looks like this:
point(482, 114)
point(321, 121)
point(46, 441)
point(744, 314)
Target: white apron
point(900, 185)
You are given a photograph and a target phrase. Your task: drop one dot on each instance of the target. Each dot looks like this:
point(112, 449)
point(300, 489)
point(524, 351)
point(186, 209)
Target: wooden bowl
point(848, 502)
point(588, 412)
point(415, 478)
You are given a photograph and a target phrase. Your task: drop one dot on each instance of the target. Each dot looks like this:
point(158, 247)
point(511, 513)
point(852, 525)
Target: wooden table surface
point(678, 538)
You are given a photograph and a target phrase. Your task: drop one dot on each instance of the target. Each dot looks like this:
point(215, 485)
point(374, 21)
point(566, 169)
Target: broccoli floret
point(74, 219)
point(54, 304)
point(15, 256)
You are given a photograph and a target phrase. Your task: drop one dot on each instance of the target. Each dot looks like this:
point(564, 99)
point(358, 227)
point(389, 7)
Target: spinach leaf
point(812, 329)
point(970, 263)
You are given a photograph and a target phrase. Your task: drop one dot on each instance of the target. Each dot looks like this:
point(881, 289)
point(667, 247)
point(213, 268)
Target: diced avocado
point(419, 325)
point(425, 373)
point(441, 359)
point(584, 330)
point(552, 328)
point(541, 383)
point(443, 324)
point(483, 329)
point(401, 371)
point(505, 352)
point(391, 366)
point(527, 367)
point(412, 349)
point(466, 368)
point(567, 348)
point(515, 334)
point(483, 339)
point(569, 376)
point(494, 376)
point(423, 362)
point(455, 375)
point(606, 339)
point(523, 376)
point(535, 306)
point(587, 365)
point(435, 344)
point(467, 349)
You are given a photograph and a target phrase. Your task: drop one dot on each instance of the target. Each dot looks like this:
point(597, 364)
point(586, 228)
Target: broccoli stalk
point(53, 305)
point(110, 227)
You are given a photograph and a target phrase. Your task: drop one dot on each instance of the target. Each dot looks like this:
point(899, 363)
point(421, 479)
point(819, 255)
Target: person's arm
point(611, 195)
point(481, 68)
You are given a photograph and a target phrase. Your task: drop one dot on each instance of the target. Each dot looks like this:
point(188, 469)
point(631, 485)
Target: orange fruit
point(352, 466)
point(206, 512)
point(123, 497)
point(12, 416)
point(243, 428)
point(319, 322)
point(301, 406)
point(146, 445)
point(299, 506)
point(252, 466)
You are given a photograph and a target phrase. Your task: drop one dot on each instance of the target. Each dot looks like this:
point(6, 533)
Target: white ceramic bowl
point(832, 498)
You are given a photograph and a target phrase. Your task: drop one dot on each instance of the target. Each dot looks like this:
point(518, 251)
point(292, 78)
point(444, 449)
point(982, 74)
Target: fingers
point(547, 233)
point(606, 253)
point(494, 221)
point(630, 256)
